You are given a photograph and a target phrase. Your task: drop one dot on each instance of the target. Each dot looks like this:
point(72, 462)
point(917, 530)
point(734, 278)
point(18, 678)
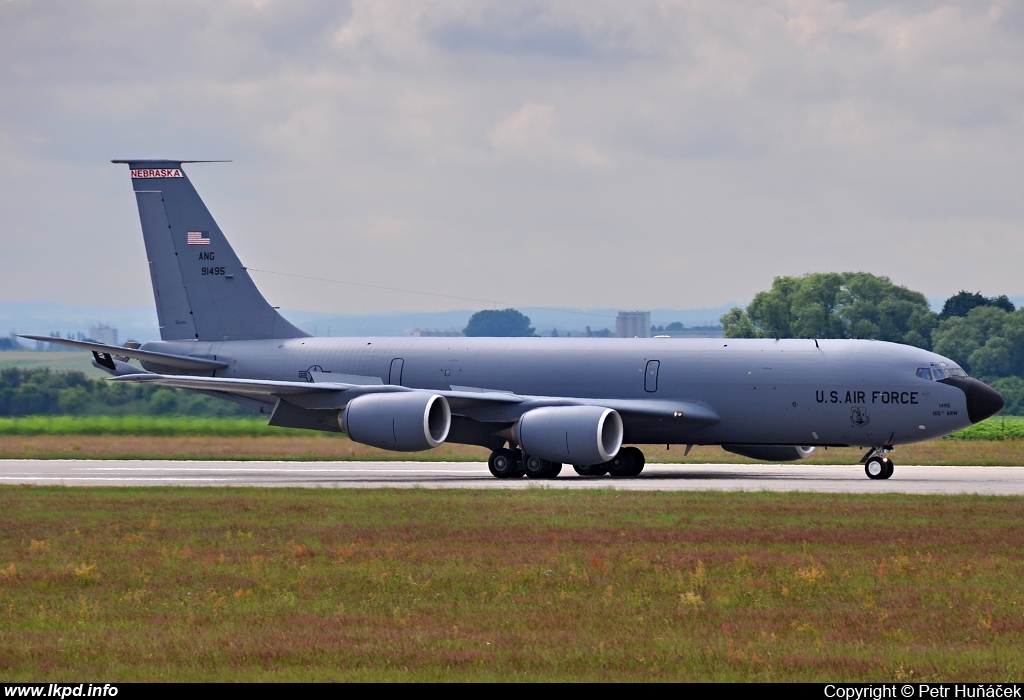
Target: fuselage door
point(651, 376)
point(395, 375)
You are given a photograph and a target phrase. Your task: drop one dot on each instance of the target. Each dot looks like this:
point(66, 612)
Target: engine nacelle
point(580, 435)
point(771, 453)
point(405, 422)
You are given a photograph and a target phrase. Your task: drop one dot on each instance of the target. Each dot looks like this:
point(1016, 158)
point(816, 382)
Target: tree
point(961, 304)
point(26, 392)
point(1012, 389)
point(737, 324)
point(835, 305)
point(506, 323)
point(988, 342)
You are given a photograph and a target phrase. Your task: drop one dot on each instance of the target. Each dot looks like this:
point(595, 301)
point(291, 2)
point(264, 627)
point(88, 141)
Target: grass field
point(141, 425)
point(247, 584)
point(57, 361)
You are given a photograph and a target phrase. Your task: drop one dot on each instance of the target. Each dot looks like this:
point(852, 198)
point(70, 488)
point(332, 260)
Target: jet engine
point(580, 435)
point(406, 421)
point(771, 453)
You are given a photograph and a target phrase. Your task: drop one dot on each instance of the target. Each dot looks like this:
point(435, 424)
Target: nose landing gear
point(877, 464)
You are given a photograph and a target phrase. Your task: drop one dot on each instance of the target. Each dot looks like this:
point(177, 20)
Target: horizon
point(141, 320)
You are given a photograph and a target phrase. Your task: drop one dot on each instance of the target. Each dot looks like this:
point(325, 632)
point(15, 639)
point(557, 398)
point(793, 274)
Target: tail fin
point(202, 291)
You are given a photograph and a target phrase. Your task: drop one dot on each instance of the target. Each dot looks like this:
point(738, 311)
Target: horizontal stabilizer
point(162, 358)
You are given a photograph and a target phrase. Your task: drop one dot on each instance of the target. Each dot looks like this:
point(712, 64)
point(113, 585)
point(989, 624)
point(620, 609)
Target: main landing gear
point(512, 464)
point(505, 464)
point(628, 462)
point(877, 464)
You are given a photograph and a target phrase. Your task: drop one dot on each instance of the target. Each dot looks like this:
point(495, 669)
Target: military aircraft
point(536, 403)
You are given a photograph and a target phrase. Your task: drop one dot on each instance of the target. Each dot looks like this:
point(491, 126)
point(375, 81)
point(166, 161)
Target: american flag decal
point(199, 238)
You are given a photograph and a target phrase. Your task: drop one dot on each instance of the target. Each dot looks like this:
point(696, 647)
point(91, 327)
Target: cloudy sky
point(617, 154)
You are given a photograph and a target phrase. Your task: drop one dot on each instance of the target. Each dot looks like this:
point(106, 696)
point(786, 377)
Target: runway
point(1003, 481)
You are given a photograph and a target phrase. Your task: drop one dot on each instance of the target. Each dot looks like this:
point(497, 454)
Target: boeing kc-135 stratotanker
point(536, 403)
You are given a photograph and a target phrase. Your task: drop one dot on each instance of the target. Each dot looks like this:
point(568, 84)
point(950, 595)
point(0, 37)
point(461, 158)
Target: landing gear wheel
point(503, 463)
point(878, 468)
point(591, 469)
point(628, 462)
point(537, 468)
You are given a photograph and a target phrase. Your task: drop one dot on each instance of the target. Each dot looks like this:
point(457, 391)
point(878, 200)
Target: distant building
point(433, 333)
point(633, 324)
point(103, 333)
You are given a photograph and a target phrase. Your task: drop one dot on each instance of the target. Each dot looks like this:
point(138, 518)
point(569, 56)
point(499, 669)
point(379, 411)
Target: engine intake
point(580, 435)
point(405, 422)
point(771, 453)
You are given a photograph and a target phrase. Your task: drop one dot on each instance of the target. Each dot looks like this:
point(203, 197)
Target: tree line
point(984, 335)
point(35, 392)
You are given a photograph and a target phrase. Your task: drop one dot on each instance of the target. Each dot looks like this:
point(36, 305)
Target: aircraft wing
point(318, 394)
point(253, 387)
point(163, 358)
point(478, 404)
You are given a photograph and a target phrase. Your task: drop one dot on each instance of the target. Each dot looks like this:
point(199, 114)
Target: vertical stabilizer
point(202, 291)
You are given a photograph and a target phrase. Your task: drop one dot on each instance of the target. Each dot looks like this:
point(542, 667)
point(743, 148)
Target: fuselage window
point(924, 373)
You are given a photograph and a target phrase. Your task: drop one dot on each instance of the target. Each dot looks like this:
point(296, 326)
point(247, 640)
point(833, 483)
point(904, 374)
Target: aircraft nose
point(982, 400)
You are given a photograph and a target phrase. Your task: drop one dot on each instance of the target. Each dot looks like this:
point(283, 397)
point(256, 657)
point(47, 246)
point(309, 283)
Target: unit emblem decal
point(859, 416)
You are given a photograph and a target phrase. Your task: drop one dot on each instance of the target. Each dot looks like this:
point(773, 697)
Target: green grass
point(127, 584)
point(141, 425)
point(57, 361)
point(996, 428)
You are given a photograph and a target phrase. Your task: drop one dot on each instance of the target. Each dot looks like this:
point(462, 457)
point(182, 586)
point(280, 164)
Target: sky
point(484, 154)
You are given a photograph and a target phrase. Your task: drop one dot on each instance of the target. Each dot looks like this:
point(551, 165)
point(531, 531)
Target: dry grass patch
point(310, 447)
point(280, 584)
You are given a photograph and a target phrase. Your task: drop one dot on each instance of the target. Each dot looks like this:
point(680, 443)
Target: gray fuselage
point(776, 392)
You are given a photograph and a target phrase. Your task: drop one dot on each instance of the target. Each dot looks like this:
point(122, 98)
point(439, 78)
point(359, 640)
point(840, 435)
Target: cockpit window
point(936, 372)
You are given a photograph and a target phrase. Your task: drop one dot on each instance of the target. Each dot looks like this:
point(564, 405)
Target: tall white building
point(103, 333)
point(633, 324)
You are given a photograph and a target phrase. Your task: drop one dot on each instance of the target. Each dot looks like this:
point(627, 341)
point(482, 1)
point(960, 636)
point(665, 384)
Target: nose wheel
point(878, 467)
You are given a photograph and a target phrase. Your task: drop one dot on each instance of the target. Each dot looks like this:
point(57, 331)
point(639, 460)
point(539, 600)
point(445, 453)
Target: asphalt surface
point(657, 477)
